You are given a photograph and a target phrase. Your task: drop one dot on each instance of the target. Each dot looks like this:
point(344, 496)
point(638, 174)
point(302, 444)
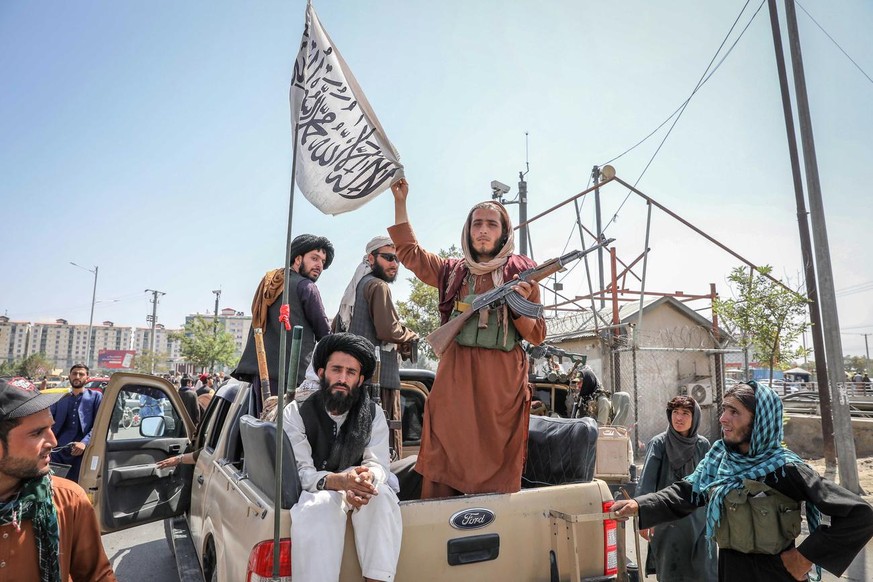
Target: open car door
point(141, 421)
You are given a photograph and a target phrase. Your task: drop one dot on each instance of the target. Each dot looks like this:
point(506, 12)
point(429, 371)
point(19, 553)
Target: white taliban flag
point(344, 159)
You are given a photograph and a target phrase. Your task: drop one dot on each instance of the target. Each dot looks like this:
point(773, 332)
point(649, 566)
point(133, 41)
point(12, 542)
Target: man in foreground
point(310, 255)
point(340, 442)
point(48, 529)
point(367, 310)
point(749, 472)
point(74, 418)
point(475, 429)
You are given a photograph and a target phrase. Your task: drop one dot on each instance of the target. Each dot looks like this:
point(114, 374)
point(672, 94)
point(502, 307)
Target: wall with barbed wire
point(665, 362)
point(655, 363)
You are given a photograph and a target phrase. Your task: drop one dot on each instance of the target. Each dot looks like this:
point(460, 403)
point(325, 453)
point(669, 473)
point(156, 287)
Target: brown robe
point(474, 435)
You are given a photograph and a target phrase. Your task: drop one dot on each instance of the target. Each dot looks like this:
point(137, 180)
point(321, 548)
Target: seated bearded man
point(340, 441)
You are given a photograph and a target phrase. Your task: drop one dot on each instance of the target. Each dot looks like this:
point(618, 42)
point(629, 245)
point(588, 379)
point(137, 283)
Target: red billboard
point(115, 359)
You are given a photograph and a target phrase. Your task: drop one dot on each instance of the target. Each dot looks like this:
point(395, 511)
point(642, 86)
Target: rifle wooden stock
point(440, 338)
point(263, 371)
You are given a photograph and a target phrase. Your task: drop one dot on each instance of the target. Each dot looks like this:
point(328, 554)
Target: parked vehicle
point(98, 383)
point(220, 511)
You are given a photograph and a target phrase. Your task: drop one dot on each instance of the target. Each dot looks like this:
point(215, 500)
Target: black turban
point(356, 346)
point(309, 242)
point(590, 382)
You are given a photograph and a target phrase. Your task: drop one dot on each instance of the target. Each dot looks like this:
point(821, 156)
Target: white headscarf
point(347, 305)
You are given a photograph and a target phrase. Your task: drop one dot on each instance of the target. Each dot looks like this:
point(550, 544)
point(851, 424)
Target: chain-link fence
point(658, 365)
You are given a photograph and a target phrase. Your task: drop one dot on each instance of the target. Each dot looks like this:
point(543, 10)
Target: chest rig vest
point(757, 519)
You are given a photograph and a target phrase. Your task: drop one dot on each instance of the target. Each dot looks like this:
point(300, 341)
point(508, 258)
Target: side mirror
point(152, 426)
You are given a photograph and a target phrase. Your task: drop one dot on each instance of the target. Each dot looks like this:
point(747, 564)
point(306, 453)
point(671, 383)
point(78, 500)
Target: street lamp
point(93, 301)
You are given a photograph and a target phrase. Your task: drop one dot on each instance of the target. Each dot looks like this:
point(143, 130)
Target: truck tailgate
point(497, 536)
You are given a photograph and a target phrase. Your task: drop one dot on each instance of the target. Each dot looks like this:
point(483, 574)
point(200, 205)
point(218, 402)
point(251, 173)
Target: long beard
point(379, 272)
point(488, 254)
point(339, 402)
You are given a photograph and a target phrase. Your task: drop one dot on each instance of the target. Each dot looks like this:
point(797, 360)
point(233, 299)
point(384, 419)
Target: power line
point(820, 27)
point(707, 74)
point(859, 288)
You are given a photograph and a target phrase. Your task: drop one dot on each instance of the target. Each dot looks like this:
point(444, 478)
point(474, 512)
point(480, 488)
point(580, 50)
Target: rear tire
point(209, 563)
point(168, 534)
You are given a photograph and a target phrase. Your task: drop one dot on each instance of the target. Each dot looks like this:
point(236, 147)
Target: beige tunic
point(474, 435)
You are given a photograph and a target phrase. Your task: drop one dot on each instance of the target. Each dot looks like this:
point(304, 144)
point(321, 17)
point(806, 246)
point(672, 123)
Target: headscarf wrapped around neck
point(681, 449)
point(724, 469)
point(34, 502)
point(493, 266)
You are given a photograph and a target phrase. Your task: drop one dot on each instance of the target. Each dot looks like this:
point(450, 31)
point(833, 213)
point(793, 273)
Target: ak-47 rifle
point(441, 337)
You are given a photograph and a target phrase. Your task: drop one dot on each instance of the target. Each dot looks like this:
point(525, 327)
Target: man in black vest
point(367, 310)
point(310, 255)
point(340, 442)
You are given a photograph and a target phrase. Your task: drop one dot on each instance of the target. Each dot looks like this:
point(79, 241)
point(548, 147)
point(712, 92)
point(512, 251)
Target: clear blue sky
point(153, 139)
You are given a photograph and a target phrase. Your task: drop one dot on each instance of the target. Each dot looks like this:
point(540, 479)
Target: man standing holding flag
point(474, 436)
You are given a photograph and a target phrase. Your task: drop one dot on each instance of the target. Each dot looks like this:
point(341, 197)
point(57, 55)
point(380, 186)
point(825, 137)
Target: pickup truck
point(219, 512)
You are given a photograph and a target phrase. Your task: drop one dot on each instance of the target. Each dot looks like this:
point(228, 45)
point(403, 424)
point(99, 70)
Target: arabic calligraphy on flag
point(344, 159)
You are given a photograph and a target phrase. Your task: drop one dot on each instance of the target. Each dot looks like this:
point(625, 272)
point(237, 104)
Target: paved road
point(141, 554)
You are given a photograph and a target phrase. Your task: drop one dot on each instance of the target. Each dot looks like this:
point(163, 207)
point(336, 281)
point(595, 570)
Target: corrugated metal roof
point(581, 325)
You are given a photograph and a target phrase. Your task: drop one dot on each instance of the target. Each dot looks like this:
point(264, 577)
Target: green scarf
point(34, 502)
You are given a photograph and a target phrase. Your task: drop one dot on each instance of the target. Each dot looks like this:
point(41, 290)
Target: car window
point(412, 406)
point(138, 402)
point(213, 423)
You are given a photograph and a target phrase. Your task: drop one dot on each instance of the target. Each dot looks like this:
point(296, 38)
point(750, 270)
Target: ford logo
point(472, 518)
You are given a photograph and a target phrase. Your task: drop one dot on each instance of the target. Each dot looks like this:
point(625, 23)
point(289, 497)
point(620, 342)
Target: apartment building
point(13, 339)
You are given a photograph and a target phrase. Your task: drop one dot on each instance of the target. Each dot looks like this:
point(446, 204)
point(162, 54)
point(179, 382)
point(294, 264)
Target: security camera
point(499, 188)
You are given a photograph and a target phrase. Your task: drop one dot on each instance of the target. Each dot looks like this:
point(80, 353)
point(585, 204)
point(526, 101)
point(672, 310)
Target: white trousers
point(318, 531)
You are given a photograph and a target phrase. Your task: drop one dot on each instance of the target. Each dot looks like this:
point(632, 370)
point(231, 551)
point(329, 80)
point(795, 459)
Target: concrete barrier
point(803, 436)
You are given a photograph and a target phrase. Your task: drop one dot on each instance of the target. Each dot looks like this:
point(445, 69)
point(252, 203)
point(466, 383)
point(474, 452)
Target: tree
point(205, 348)
point(769, 317)
point(421, 312)
point(34, 366)
point(147, 361)
point(8, 368)
point(851, 363)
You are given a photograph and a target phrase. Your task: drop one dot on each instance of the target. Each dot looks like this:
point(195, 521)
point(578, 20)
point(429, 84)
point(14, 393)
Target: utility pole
point(91, 320)
point(498, 193)
point(153, 318)
point(595, 176)
point(844, 441)
point(215, 319)
point(215, 324)
point(867, 350)
point(522, 214)
point(522, 204)
point(818, 343)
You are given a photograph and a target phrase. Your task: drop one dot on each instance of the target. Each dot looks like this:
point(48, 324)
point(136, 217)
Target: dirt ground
point(865, 473)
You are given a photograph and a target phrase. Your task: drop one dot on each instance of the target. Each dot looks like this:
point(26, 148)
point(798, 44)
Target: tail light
point(610, 543)
point(260, 568)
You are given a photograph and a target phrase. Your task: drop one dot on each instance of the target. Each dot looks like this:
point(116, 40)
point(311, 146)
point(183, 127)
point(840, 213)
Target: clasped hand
point(357, 483)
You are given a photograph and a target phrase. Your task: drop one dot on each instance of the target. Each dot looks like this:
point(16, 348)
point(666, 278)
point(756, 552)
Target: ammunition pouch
point(490, 337)
point(757, 519)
